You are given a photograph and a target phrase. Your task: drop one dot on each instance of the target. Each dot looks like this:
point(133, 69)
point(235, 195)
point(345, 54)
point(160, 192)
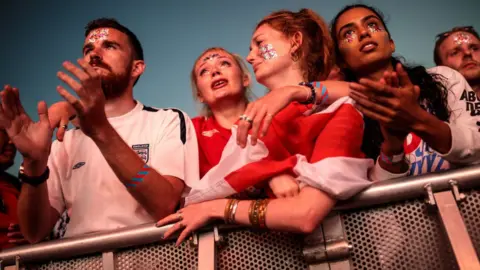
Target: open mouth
point(470, 65)
point(369, 46)
point(217, 84)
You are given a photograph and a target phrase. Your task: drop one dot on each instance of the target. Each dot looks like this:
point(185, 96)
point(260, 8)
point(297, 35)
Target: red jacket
point(9, 194)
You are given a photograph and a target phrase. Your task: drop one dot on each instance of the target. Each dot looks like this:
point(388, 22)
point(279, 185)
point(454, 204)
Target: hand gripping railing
point(437, 187)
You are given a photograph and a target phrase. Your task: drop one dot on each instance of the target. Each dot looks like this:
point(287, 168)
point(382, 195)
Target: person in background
point(10, 234)
point(459, 49)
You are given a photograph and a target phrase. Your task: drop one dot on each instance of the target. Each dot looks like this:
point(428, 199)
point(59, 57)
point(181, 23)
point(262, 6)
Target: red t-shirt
point(212, 139)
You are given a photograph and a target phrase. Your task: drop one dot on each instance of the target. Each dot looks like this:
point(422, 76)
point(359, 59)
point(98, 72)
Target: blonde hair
point(248, 94)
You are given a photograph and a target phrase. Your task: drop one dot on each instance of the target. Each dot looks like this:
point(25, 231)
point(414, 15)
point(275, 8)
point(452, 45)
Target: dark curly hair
point(433, 93)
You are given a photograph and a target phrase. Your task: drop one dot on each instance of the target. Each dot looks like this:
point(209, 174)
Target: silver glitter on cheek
point(374, 28)
point(98, 34)
point(268, 52)
point(461, 38)
point(350, 38)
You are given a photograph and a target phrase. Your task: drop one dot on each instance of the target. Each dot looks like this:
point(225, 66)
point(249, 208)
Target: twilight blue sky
point(39, 35)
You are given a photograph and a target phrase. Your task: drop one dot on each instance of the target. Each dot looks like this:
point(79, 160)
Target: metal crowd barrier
point(426, 222)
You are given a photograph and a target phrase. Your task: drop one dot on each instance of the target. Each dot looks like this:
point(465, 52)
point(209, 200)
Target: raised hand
point(59, 114)
point(90, 108)
point(32, 139)
point(393, 101)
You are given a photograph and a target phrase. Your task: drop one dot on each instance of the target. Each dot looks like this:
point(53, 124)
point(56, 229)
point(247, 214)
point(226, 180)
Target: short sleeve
point(57, 164)
point(465, 116)
point(176, 150)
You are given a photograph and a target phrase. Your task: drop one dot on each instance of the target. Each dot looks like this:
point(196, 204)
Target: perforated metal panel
point(90, 263)
point(157, 256)
point(406, 235)
point(470, 209)
point(261, 250)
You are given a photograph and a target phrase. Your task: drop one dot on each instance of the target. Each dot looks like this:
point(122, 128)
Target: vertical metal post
point(108, 261)
point(456, 231)
point(327, 248)
point(207, 252)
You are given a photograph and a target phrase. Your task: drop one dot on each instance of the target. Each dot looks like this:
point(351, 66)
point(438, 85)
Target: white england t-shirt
point(82, 183)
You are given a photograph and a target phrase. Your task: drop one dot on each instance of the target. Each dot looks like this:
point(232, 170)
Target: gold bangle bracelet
point(227, 210)
point(256, 213)
point(252, 213)
point(231, 216)
point(263, 213)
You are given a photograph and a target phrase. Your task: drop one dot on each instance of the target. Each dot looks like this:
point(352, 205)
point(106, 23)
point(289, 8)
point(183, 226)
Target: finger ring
point(64, 126)
point(180, 216)
point(181, 225)
point(248, 119)
point(242, 117)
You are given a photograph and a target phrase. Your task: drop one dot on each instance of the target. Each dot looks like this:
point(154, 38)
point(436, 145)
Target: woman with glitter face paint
point(317, 152)
point(221, 83)
point(416, 119)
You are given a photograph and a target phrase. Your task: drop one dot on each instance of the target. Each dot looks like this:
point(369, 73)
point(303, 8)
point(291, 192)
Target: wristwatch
point(34, 180)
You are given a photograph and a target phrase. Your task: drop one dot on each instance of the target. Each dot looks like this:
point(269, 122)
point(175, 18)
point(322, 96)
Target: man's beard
point(115, 85)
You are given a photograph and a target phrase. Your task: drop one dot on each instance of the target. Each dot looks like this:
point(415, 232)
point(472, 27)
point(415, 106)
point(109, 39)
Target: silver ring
point(64, 126)
point(248, 119)
point(242, 117)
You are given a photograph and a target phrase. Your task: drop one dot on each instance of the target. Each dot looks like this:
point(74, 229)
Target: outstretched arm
point(311, 207)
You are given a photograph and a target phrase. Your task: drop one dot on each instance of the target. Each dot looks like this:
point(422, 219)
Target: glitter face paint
point(211, 57)
point(268, 52)
point(461, 38)
point(350, 37)
point(374, 28)
point(98, 34)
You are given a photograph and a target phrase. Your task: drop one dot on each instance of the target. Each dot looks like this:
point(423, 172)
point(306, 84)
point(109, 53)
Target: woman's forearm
point(300, 214)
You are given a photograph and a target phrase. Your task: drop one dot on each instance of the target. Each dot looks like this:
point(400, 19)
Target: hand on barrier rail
point(187, 220)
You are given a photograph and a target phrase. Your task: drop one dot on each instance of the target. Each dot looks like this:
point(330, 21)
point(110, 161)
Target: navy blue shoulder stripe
point(183, 126)
point(149, 109)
